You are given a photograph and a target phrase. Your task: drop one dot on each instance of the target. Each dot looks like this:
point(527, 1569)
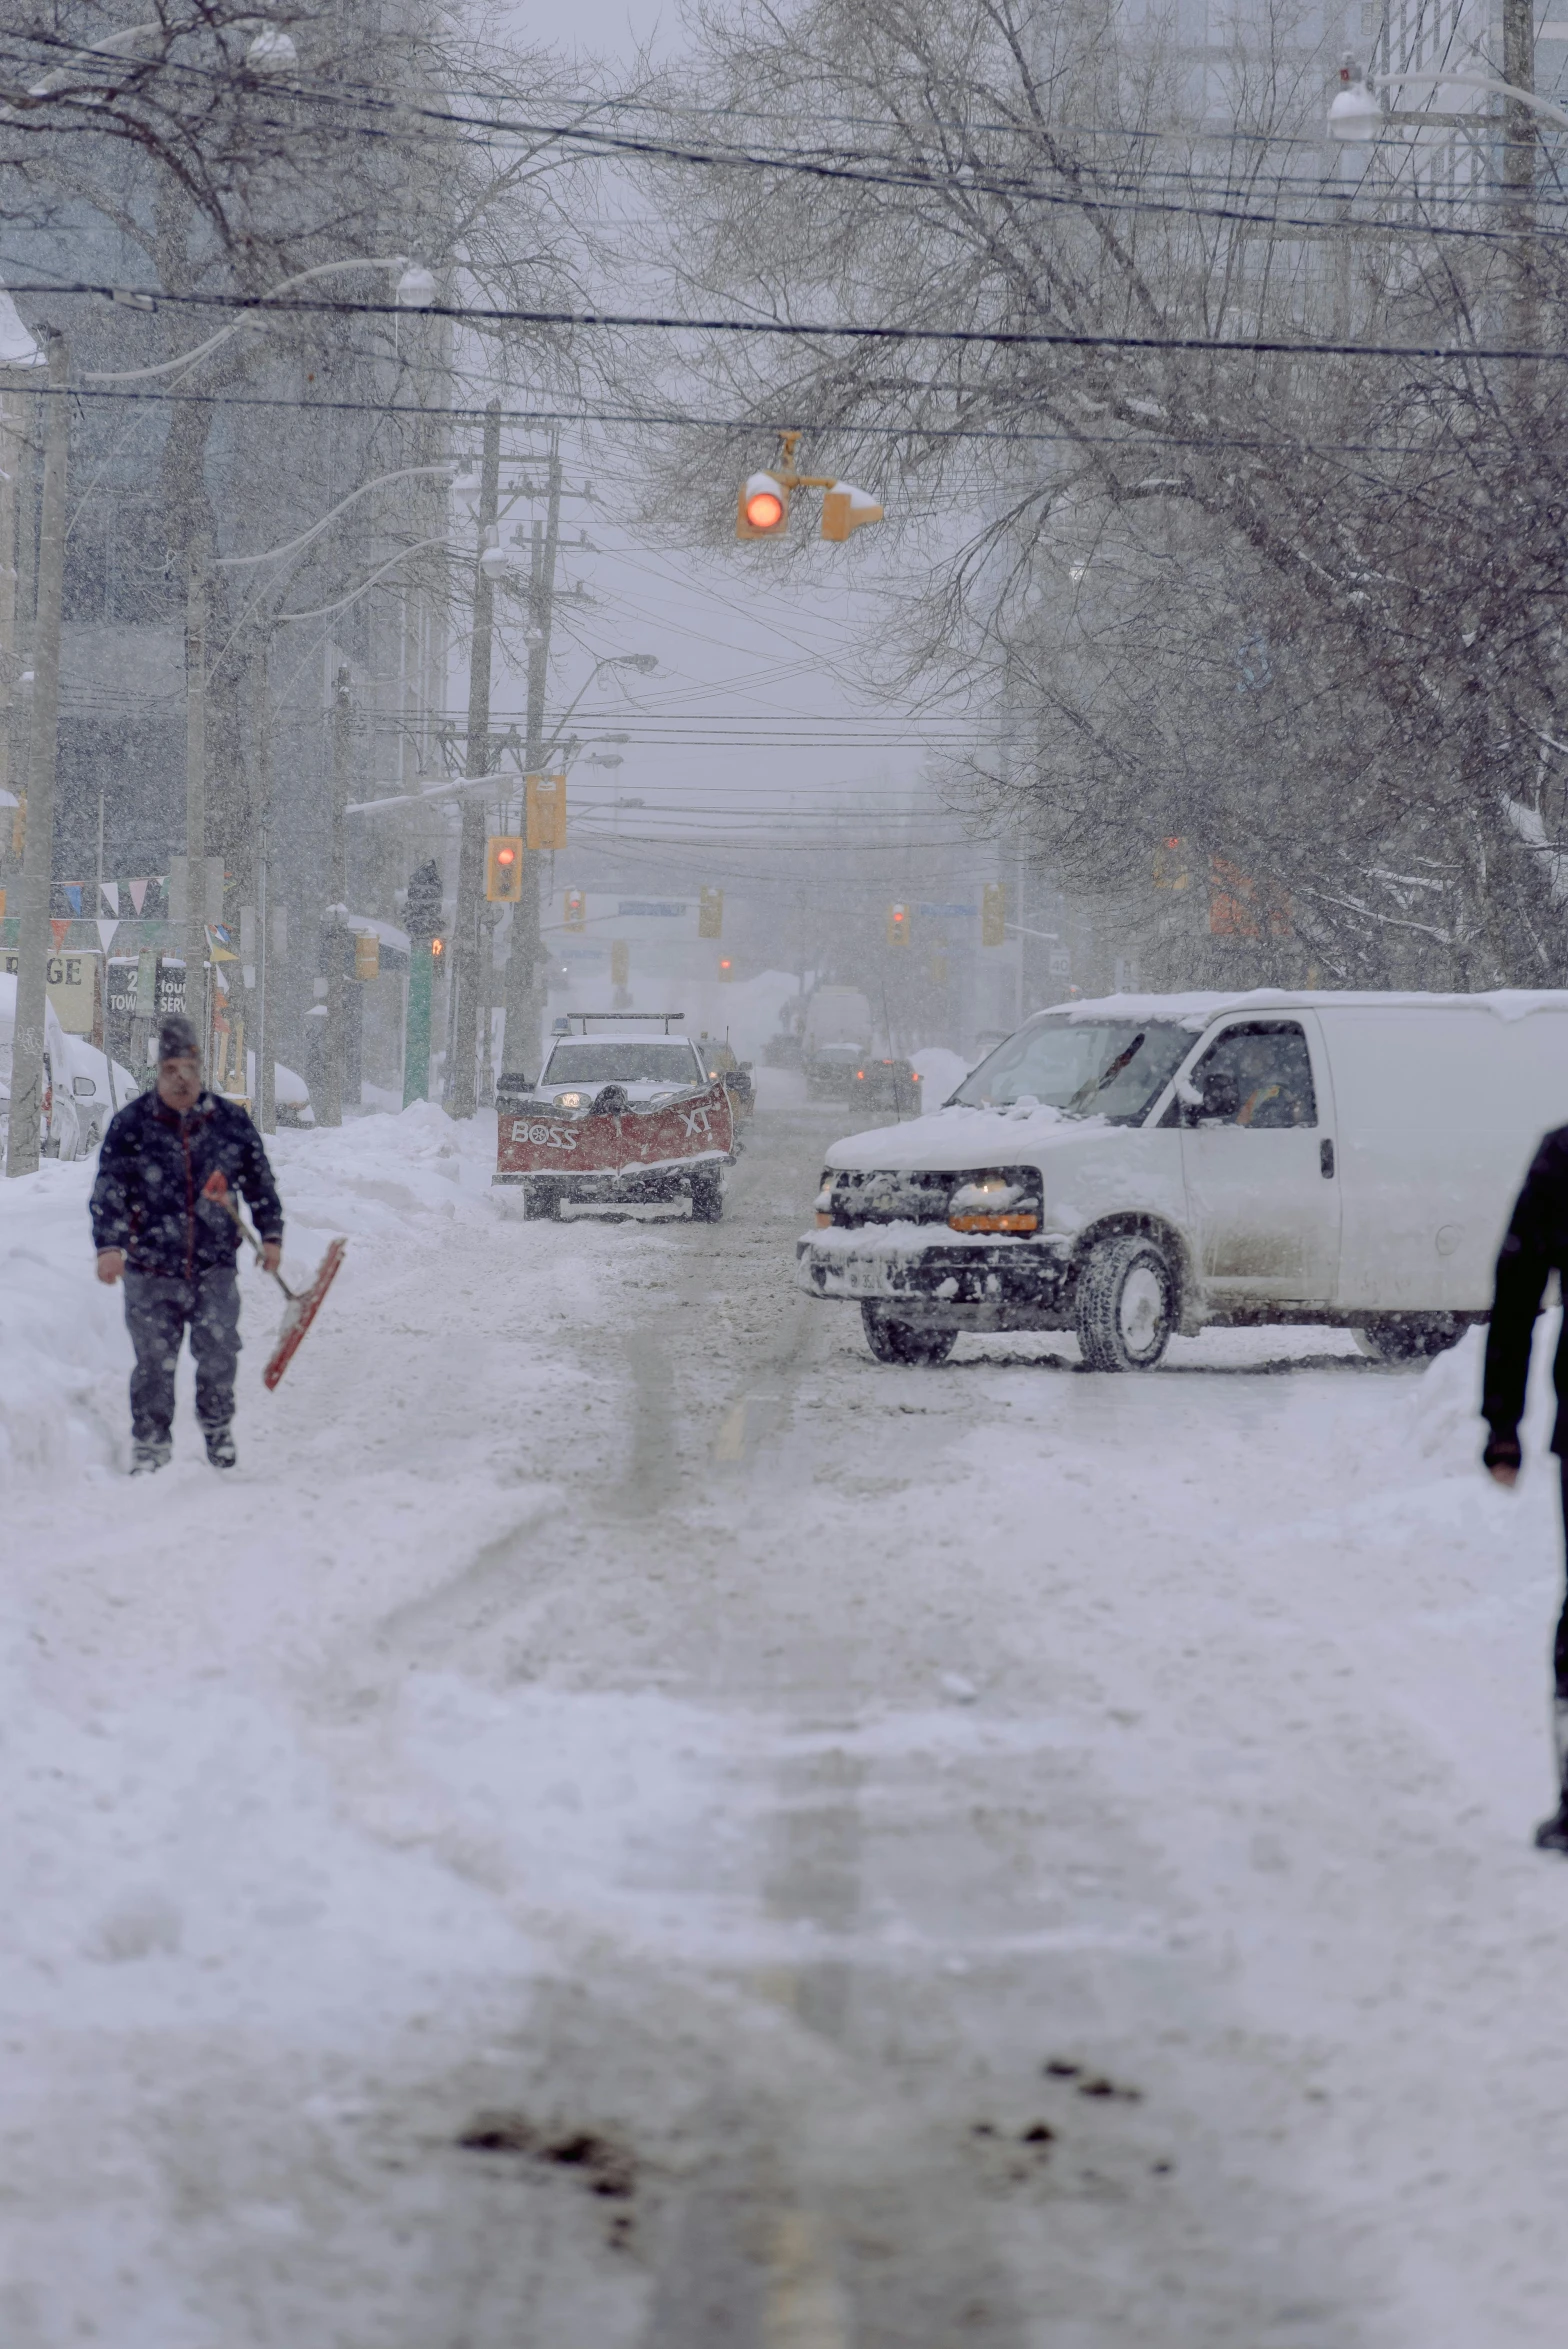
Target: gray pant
point(158, 1310)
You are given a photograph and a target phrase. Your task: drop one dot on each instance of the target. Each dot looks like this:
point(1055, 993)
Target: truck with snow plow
point(1140, 1166)
point(620, 1119)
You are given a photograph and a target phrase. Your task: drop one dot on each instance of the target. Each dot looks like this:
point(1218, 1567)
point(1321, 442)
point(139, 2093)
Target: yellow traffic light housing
point(846, 508)
point(576, 910)
point(367, 955)
point(545, 801)
point(504, 869)
point(898, 925)
point(762, 505)
point(710, 914)
point(620, 963)
point(993, 914)
point(762, 509)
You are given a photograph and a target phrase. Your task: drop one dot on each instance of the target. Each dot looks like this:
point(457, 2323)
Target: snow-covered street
point(866, 1857)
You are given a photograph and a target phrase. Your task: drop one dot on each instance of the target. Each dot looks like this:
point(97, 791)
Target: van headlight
point(990, 1203)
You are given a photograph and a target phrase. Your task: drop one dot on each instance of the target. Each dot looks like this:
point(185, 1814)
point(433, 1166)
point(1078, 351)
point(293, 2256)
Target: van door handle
point(1326, 1160)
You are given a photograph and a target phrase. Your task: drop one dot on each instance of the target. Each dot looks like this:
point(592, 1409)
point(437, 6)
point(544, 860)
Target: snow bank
point(64, 1354)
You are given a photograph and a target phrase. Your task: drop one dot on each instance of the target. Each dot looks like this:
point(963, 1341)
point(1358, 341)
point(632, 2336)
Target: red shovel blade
point(301, 1313)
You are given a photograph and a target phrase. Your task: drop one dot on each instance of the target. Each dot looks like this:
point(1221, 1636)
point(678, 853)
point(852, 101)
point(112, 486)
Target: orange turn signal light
point(993, 1223)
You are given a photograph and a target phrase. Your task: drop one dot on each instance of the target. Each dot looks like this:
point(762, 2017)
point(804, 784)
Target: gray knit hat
point(177, 1038)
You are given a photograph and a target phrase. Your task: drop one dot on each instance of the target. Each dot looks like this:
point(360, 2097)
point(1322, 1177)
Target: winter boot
point(220, 1446)
point(147, 1459)
point(1552, 1834)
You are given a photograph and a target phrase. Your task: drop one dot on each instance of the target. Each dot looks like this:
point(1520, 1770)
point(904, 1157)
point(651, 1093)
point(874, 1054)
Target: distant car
point(886, 1084)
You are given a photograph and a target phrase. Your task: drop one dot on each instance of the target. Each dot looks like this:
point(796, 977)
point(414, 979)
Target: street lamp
point(1356, 113)
point(272, 51)
point(411, 274)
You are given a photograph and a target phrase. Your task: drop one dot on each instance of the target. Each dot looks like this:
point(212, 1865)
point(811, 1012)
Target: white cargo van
point(1146, 1164)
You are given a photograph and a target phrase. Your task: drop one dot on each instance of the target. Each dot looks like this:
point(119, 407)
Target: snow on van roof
point(1195, 1009)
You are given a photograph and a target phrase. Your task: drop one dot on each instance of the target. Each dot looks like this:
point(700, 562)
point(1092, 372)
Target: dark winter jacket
point(151, 1169)
point(1536, 1245)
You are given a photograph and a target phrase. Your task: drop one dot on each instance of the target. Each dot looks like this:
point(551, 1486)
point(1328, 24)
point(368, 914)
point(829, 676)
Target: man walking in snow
point(1535, 1246)
point(175, 1247)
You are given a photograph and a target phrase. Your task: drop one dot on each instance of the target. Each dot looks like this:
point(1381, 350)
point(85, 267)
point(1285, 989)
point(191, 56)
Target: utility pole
point(1520, 136)
point(32, 967)
point(520, 1039)
point(468, 933)
point(266, 1103)
point(335, 935)
point(197, 1008)
point(423, 921)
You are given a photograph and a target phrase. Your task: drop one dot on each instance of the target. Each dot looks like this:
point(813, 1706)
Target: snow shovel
point(303, 1304)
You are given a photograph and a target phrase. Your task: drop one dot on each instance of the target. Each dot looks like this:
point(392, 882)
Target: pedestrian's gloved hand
point(1502, 1458)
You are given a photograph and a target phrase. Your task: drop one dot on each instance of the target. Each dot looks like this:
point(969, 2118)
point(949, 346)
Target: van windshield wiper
point(1108, 1076)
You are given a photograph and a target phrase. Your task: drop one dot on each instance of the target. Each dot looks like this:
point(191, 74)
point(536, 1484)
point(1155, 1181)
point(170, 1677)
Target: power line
point(869, 169)
point(778, 329)
point(675, 419)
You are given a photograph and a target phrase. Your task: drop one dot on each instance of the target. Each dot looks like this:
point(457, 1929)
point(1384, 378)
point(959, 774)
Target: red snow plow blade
point(303, 1304)
point(630, 1142)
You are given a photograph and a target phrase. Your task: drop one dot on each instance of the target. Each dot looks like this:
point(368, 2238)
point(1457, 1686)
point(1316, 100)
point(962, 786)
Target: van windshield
point(602, 1060)
point(1085, 1068)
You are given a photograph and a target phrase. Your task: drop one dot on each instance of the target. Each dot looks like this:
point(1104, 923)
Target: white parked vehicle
point(1150, 1164)
point(76, 1092)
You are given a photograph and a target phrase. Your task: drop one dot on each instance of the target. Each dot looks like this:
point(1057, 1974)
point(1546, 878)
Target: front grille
point(891, 1197)
point(915, 1195)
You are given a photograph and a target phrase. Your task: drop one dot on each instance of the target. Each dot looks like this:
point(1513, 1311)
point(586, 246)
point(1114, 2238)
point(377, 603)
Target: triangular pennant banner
point(105, 930)
point(59, 929)
point(109, 891)
point(138, 890)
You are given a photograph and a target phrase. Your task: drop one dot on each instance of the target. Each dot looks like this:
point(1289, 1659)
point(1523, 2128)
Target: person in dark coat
point(175, 1247)
point(1534, 1247)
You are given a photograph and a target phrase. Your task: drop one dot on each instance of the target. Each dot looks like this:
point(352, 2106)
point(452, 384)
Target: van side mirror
point(83, 1087)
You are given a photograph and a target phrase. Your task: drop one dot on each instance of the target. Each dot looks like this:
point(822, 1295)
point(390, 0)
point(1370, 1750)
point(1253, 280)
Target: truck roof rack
point(620, 1019)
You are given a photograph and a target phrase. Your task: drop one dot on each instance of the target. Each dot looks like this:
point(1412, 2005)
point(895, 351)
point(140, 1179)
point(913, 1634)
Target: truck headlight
point(992, 1204)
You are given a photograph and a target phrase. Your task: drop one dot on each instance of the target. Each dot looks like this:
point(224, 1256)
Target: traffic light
point(710, 914)
point(846, 508)
point(504, 869)
point(545, 799)
point(620, 963)
point(367, 955)
point(762, 508)
point(1171, 869)
point(993, 914)
point(726, 969)
point(437, 949)
point(422, 915)
point(898, 925)
point(576, 910)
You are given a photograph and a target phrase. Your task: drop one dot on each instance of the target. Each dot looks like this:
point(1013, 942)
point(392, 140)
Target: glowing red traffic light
point(765, 509)
point(506, 856)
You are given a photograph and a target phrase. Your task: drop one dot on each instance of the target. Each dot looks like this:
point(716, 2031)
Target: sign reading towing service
point(700, 1126)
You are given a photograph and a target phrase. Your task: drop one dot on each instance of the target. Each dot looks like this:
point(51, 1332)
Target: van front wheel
point(905, 1341)
point(1126, 1305)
